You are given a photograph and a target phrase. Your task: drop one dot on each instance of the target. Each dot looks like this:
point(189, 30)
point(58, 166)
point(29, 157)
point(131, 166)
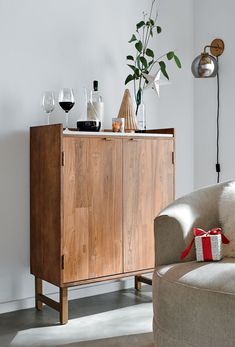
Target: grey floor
point(115, 319)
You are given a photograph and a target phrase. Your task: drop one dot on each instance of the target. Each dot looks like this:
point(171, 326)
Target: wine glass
point(66, 102)
point(48, 104)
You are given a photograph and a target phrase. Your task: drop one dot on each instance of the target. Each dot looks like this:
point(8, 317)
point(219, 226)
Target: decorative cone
point(127, 111)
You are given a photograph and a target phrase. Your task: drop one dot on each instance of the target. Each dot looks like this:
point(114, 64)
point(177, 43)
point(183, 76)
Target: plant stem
point(148, 31)
point(145, 40)
point(151, 10)
point(156, 14)
point(137, 109)
point(143, 30)
point(135, 80)
point(135, 91)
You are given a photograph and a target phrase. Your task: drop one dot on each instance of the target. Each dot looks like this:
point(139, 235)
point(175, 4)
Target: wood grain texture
point(143, 279)
point(138, 284)
point(92, 208)
point(38, 291)
point(106, 278)
point(76, 233)
point(63, 305)
point(91, 216)
point(148, 186)
point(49, 302)
point(45, 202)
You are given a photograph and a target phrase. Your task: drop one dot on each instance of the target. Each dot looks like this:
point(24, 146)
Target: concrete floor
point(118, 319)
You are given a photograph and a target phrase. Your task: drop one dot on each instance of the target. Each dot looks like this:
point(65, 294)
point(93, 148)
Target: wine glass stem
point(48, 119)
point(66, 120)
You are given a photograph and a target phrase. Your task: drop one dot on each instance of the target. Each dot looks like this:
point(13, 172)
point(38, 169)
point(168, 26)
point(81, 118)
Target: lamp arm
point(209, 46)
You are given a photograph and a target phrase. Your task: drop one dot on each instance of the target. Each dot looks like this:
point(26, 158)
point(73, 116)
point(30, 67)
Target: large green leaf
point(177, 61)
point(136, 71)
point(149, 53)
point(133, 38)
point(130, 57)
point(138, 62)
point(170, 55)
point(139, 46)
point(133, 67)
point(144, 62)
point(163, 69)
point(140, 25)
point(129, 79)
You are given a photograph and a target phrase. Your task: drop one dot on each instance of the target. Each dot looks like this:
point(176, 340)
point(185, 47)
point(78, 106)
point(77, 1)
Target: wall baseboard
point(74, 293)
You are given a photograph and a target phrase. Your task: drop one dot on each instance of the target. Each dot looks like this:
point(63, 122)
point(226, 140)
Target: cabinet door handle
point(133, 139)
point(107, 139)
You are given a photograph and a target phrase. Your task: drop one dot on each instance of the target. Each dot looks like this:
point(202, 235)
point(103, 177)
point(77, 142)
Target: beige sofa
point(194, 302)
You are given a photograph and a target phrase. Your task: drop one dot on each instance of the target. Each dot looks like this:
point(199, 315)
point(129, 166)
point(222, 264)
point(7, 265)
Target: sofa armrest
point(173, 228)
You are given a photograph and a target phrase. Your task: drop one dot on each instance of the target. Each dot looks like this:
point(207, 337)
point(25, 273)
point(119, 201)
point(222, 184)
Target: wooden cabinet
point(93, 200)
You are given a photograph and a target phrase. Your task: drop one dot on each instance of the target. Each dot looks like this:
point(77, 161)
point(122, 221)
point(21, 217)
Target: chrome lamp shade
point(204, 66)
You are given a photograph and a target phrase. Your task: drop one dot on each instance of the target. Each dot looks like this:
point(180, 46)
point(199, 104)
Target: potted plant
point(145, 58)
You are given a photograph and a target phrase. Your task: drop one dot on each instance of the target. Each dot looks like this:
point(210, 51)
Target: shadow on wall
point(14, 213)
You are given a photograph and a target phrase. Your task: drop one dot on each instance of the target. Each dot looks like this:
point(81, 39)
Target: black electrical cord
point(217, 166)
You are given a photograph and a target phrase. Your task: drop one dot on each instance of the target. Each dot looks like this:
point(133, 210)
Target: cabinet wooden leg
point(38, 292)
point(142, 279)
point(63, 305)
point(137, 283)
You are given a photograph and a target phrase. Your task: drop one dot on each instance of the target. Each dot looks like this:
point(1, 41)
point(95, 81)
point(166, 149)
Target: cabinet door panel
point(93, 208)
point(148, 186)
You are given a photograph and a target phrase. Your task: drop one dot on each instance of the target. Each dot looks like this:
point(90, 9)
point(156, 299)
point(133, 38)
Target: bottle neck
point(95, 86)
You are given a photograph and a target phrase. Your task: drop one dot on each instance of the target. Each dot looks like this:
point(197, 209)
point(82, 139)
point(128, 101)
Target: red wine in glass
point(66, 102)
point(66, 105)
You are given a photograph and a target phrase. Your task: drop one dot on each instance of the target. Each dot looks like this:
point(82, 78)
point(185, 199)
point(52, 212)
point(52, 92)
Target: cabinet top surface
point(107, 133)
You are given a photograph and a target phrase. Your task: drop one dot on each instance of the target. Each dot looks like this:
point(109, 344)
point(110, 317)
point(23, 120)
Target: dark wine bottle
point(66, 105)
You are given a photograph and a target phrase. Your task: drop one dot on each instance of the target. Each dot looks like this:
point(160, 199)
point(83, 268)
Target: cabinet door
point(92, 208)
point(148, 186)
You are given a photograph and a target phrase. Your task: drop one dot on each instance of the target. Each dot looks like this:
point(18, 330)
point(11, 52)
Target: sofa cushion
point(214, 276)
point(194, 303)
point(227, 217)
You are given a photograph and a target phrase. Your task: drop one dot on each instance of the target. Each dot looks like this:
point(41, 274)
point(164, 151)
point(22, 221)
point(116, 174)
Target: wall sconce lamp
point(205, 66)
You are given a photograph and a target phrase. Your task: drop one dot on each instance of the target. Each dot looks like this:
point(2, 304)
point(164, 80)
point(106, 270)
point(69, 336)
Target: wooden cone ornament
point(127, 111)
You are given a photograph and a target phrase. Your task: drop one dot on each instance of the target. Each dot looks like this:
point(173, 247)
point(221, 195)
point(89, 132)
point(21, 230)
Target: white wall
point(48, 44)
point(213, 19)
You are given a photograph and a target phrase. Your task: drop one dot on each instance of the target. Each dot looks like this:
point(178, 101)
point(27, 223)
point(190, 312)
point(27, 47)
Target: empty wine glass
point(66, 102)
point(48, 104)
